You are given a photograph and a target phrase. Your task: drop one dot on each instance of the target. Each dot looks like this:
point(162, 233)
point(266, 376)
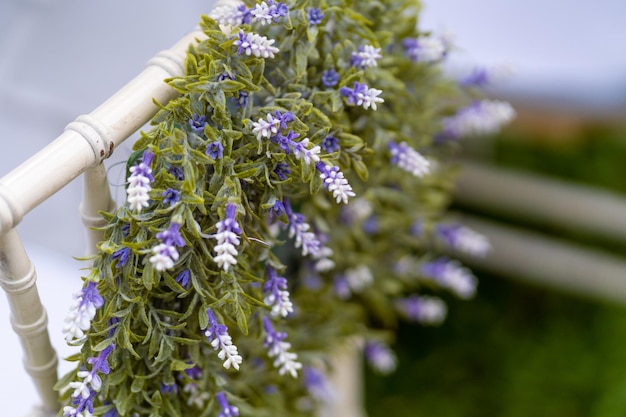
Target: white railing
point(81, 148)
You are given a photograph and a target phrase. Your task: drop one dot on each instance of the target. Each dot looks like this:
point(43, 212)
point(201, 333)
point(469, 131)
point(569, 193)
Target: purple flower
point(277, 348)
point(282, 170)
point(265, 13)
point(171, 196)
point(254, 44)
point(169, 389)
point(362, 95)
point(451, 275)
point(184, 278)
point(139, 183)
point(334, 181)
point(424, 49)
point(177, 172)
point(111, 413)
point(227, 236)
point(371, 225)
point(482, 117)
point(330, 144)
point(277, 296)
point(315, 16)
point(215, 150)
point(300, 229)
point(197, 123)
point(330, 78)
point(217, 335)
point(459, 237)
point(342, 287)
point(366, 56)
point(423, 309)
point(227, 409)
point(241, 100)
point(408, 159)
point(317, 384)
point(380, 357)
point(285, 142)
point(86, 303)
point(194, 372)
point(122, 256)
point(165, 253)
point(100, 363)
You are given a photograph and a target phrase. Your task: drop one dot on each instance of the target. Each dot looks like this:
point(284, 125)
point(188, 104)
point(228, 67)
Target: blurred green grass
point(518, 350)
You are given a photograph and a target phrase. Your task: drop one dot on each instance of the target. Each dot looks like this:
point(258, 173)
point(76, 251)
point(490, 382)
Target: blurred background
point(546, 334)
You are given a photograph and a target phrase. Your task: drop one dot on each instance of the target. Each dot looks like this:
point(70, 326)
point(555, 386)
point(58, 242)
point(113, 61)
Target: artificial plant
point(289, 199)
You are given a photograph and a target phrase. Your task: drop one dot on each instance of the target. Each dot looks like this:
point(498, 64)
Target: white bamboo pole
point(96, 198)
point(91, 138)
point(346, 377)
point(531, 257)
point(28, 317)
point(559, 203)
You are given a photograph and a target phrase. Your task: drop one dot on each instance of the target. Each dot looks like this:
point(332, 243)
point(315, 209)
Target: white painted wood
point(96, 198)
point(550, 262)
point(537, 198)
point(91, 138)
point(28, 317)
point(346, 377)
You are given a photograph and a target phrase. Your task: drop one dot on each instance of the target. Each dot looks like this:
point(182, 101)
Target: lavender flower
point(480, 118)
point(315, 16)
point(302, 152)
point(184, 278)
point(380, 357)
point(318, 385)
point(86, 389)
point(423, 309)
point(330, 78)
point(408, 159)
point(464, 239)
point(451, 275)
point(323, 261)
point(264, 13)
point(330, 144)
point(277, 295)
point(366, 56)
point(169, 389)
point(122, 256)
point(424, 49)
point(139, 183)
point(266, 128)
point(285, 142)
point(227, 409)
point(227, 237)
point(300, 229)
point(215, 150)
point(82, 312)
point(165, 253)
point(274, 341)
point(482, 77)
point(197, 123)
point(254, 44)
point(282, 170)
point(231, 15)
point(177, 172)
point(218, 336)
point(341, 287)
point(362, 95)
point(335, 182)
point(171, 196)
point(241, 101)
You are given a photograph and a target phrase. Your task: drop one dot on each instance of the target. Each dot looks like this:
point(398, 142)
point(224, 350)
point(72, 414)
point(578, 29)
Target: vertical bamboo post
point(28, 317)
point(346, 377)
point(96, 198)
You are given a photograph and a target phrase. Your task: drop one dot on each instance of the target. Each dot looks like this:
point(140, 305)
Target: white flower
point(266, 128)
point(229, 15)
point(261, 13)
point(255, 44)
point(367, 56)
point(359, 278)
point(369, 98)
point(335, 182)
point(301, 152)
point(480, 118)
point(425, 49)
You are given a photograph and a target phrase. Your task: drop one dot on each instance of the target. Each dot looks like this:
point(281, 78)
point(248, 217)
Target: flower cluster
point(265, 13)
point(366, 56)
point(334, 181)
point(165, 253)
point(380, 357)
point(482, 117)
point(227, 237)
point(362, 95)
point(423, 309)
point(300, 229)
point(408, 159)
point(424, 49)
point(227, 410)
point(462, 238)
point(217, 335)
point(82, 312)
point(231, 15)
point(276, 294)
point(255, 44)
point(139, 183)
point(451, 275)
point(285, 361)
